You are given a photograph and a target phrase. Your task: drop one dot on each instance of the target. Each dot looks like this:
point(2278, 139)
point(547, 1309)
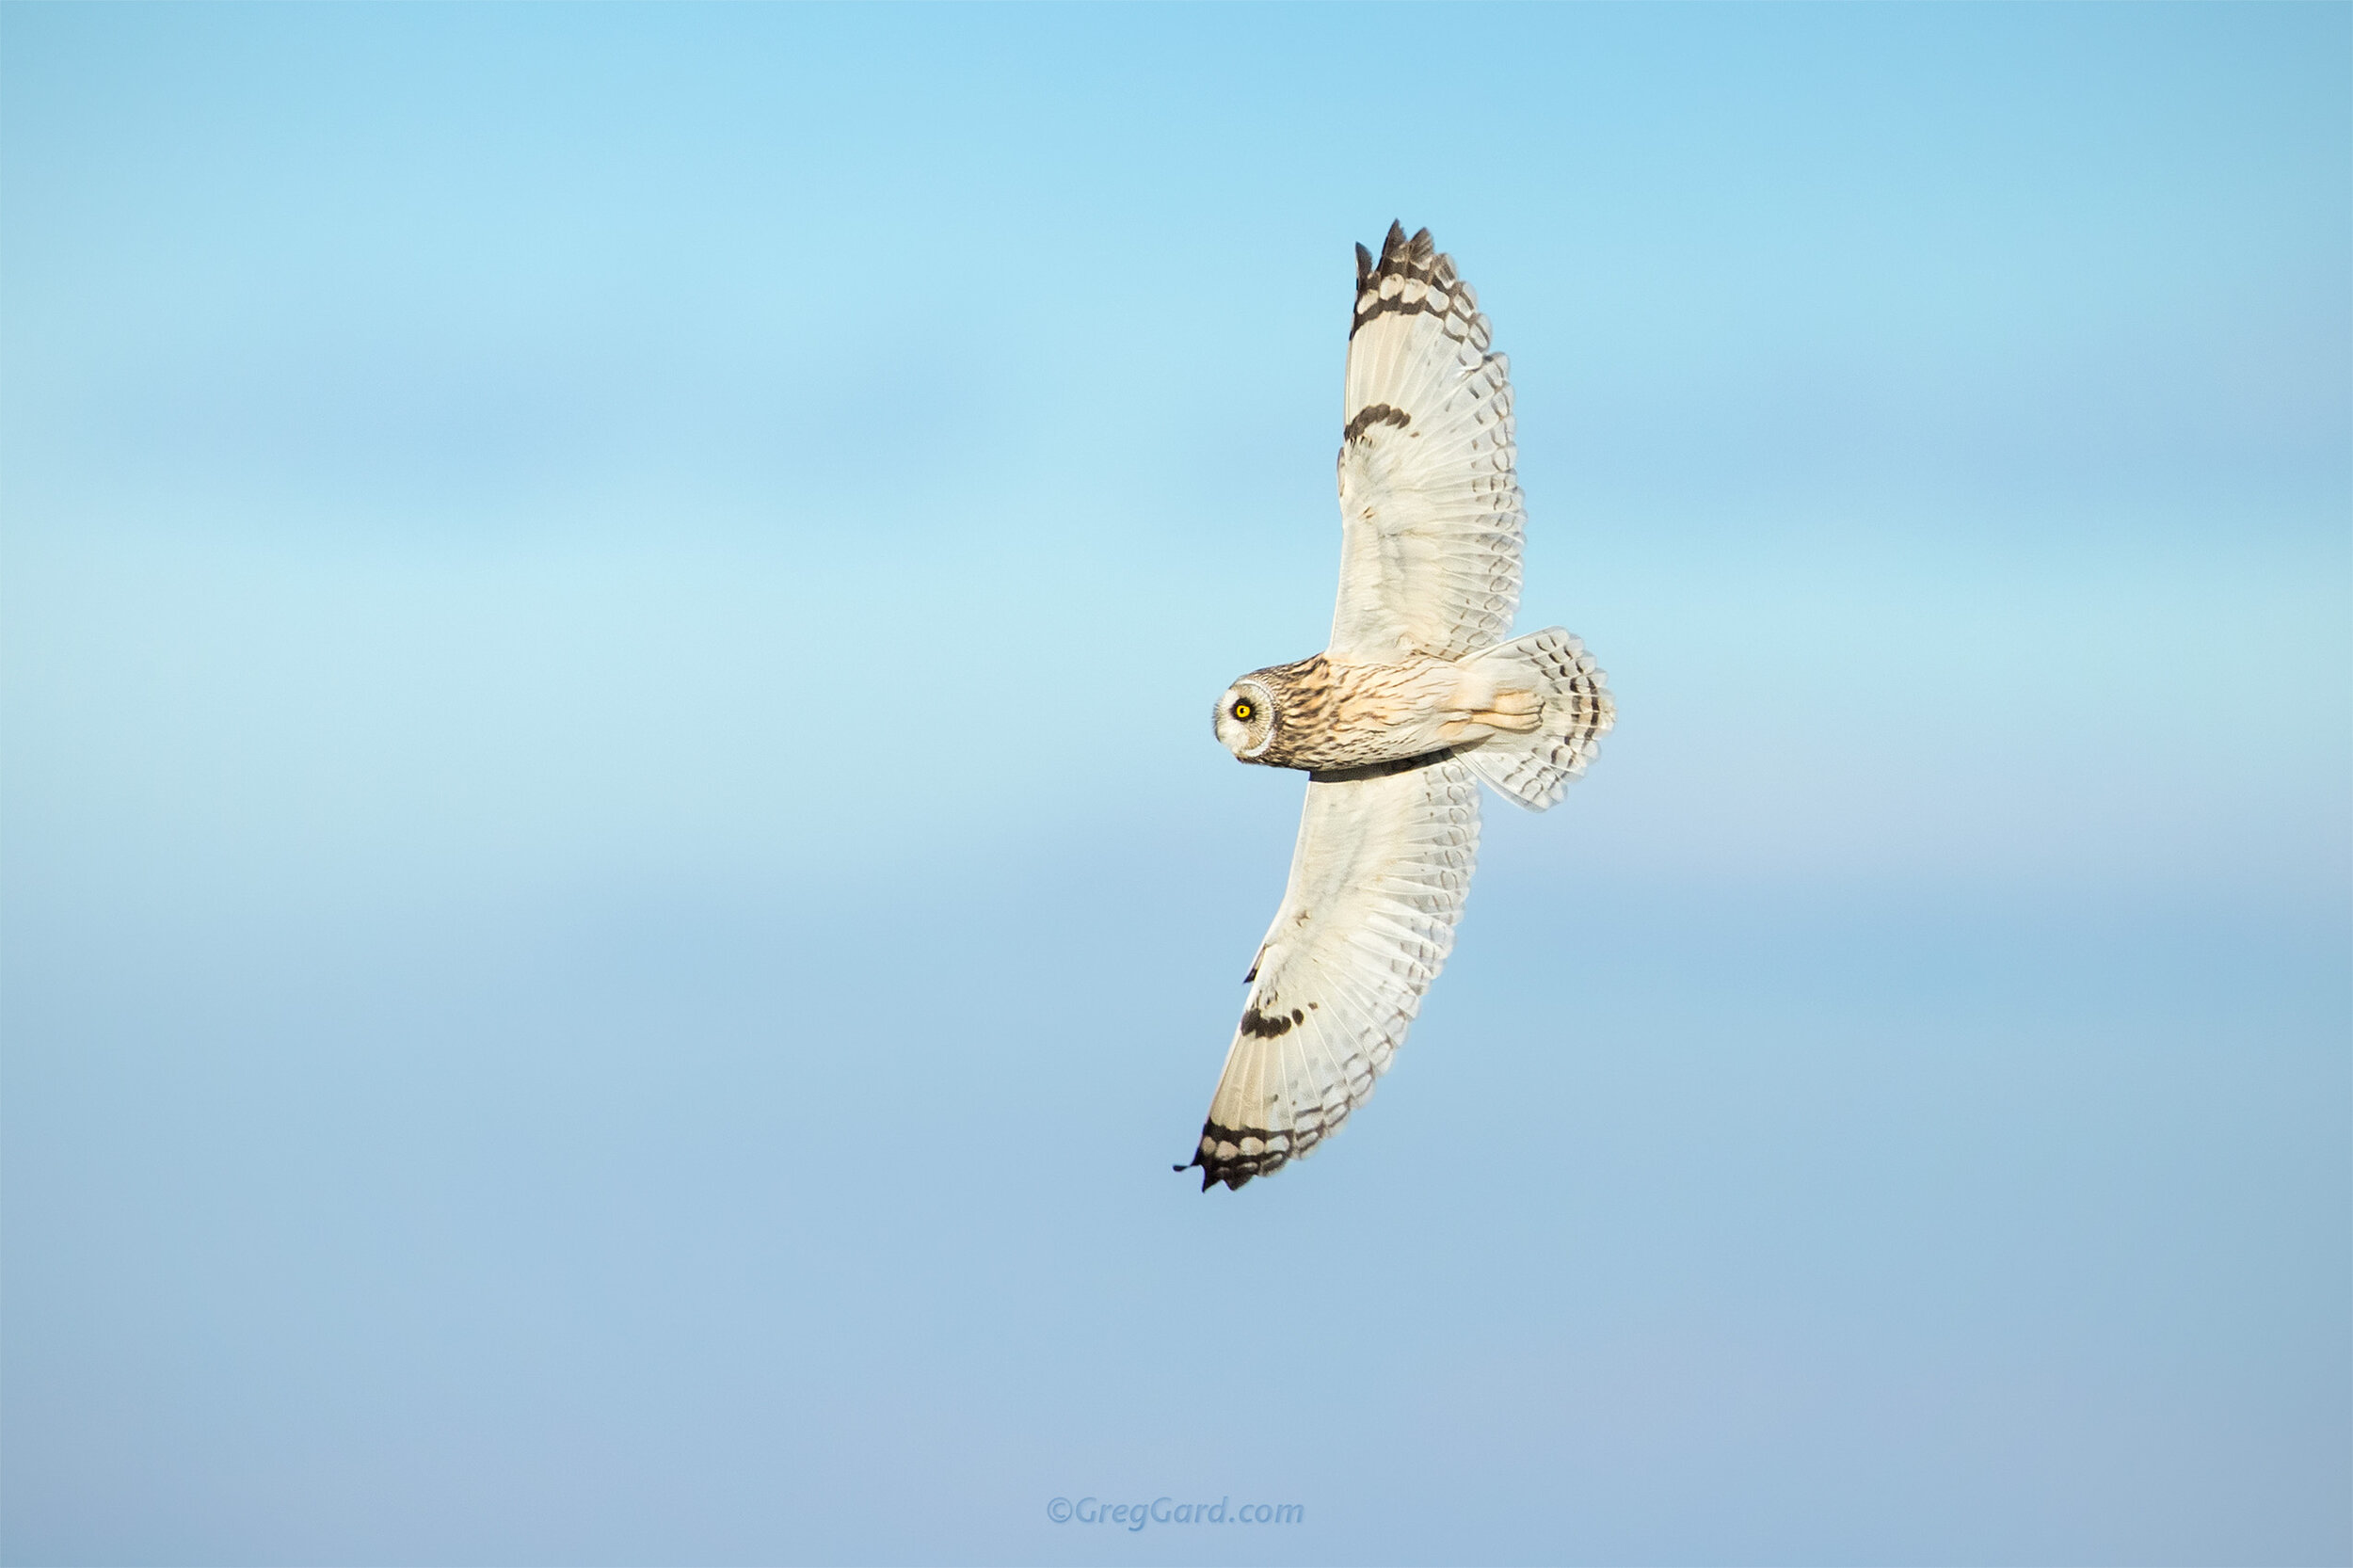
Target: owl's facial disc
point(1244, 720)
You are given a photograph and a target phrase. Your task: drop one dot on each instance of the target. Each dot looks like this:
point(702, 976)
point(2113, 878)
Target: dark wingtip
point(1364, 267)
point(1232, 1171)
point(1211, 1176)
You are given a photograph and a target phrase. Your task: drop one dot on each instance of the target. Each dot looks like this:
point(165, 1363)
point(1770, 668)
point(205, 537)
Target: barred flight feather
point(1377, 883)
point(1534, 769)
point(1431, 514)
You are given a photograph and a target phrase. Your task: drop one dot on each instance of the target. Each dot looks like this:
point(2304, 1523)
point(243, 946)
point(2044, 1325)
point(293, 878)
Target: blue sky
point(616, 891)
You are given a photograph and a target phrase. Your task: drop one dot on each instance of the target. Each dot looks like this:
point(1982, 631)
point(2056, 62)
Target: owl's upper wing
point(1377, 883)
point(1429, 511)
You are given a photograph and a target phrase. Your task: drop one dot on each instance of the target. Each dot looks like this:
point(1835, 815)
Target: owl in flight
point(1417, 695)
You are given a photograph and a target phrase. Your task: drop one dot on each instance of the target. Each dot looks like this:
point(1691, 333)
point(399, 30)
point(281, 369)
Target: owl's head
point(1245, 718)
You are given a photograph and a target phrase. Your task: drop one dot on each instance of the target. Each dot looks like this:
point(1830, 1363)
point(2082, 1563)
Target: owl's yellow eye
point(1243, 710)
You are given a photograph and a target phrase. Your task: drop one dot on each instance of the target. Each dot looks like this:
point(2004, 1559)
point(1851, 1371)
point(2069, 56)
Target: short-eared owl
point(1417, 695)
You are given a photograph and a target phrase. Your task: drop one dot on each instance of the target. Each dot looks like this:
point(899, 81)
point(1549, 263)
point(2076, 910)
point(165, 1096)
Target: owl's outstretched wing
point(1377, 882)
point(1430, 511)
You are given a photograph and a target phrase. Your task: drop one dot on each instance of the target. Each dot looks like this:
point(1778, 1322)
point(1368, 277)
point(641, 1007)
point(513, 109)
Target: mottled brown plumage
point(1325, 714)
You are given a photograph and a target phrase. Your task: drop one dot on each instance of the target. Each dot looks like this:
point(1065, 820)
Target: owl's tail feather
point(1536, 768)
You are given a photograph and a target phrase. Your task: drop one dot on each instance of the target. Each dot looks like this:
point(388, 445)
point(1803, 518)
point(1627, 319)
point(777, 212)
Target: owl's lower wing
point(1377, 883)
point(1431, 516)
